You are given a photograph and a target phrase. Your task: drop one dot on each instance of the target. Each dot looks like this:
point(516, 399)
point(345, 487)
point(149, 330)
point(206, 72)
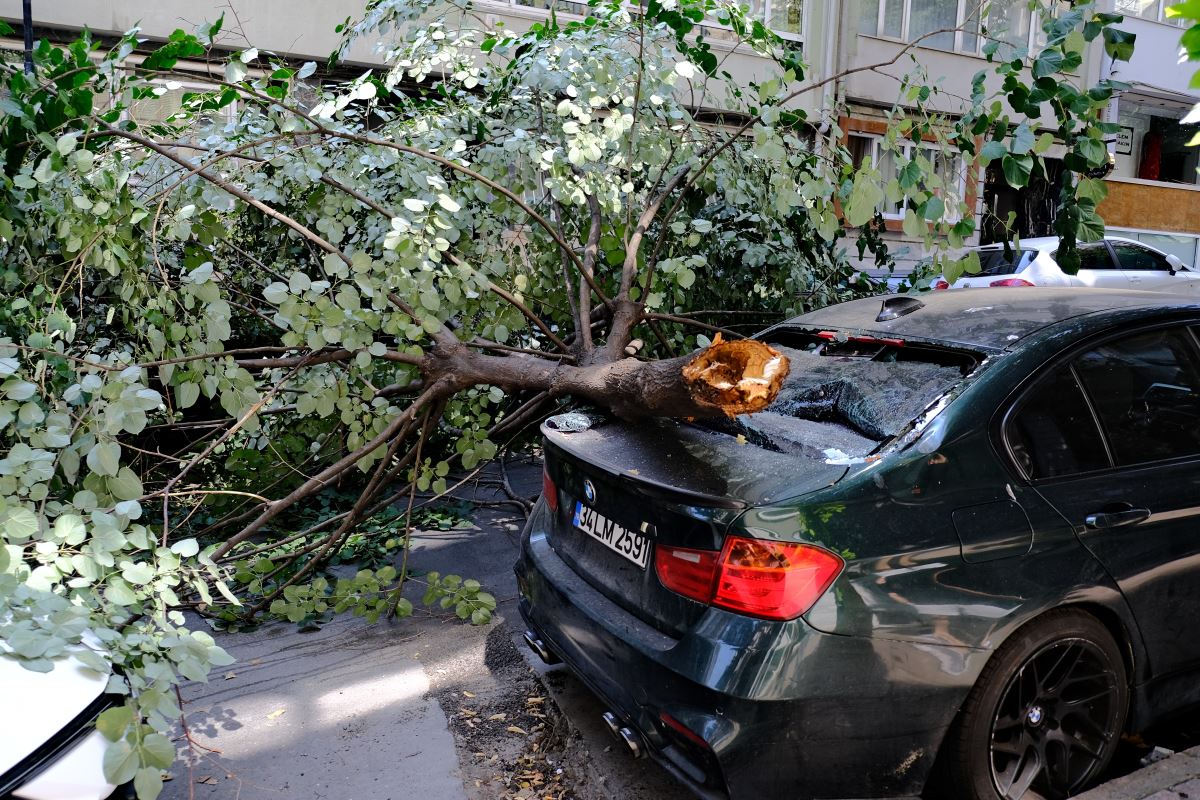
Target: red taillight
point(688, 572)
point(549, 490)
point(941, 285)
point(1011, 282)
point(772, 580)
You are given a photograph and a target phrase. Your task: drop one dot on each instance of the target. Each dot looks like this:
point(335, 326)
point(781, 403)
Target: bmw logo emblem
point(589, 491)
point(1035, 715)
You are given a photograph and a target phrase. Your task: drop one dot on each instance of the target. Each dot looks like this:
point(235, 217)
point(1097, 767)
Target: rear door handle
point(1117, 519)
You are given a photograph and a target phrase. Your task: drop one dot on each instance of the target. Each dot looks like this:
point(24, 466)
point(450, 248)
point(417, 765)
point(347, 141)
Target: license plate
point(620, 540)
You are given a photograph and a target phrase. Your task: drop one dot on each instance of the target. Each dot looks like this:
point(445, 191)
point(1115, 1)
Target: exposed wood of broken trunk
point(726, 378)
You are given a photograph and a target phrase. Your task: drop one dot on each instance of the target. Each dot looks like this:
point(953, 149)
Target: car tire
point(1045, 716)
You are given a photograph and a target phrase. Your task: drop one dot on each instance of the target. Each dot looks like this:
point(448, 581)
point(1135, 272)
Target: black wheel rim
point(1055, 721)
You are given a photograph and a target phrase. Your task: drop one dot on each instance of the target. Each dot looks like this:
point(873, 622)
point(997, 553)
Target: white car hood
point(40, 704)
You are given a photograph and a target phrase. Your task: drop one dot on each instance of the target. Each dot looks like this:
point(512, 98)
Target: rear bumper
point(784, 709)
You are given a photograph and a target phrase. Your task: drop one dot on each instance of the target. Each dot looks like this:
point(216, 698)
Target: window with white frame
point(944, 170)
point(1155, 10)
point(960, 25)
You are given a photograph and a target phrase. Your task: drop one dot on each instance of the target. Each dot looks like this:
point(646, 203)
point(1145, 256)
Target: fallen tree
point(285, 288)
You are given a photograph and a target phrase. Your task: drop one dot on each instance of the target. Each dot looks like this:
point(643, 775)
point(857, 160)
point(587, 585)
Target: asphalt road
point(419, 708)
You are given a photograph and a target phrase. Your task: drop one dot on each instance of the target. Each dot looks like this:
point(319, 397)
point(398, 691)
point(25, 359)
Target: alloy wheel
point(1054, 721)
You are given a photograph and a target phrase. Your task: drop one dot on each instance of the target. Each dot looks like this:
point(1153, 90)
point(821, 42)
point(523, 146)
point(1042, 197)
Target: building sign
point(1124, 140)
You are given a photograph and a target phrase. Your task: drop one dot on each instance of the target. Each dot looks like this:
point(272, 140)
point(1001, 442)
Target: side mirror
point(1176, 263)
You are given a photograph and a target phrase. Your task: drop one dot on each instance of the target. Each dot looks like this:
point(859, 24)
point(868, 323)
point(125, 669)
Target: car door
point(1111, 439)
point(1097, 268)
point(1150, 270)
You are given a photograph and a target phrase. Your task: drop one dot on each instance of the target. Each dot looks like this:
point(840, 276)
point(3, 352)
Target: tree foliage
point(377, 283)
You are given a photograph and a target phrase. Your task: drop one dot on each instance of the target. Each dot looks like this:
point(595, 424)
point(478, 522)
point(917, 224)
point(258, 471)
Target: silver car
point(1114, 263)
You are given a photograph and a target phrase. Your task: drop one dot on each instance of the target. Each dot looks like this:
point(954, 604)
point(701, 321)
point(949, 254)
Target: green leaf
point(1023, 140)
point(125, 485)
point(120, 762)
point(93, 661)
point(113, 722)
point(118, 593)
point(970, 263)
point(276, 292)
point(1092, 150)
point(1119, 44)
point(235, 70)
point(228, 595)
point(186, 548)
point(104, 458)
point(19, 524)
point(139, 573)
point(1091, 226)
point(69, 529)
point(935, 209)
point(148, 783)
point(992, 150)
point(1017, 170)
point(1092, 189)
point(186, 394)
point(158, 751)
point(1048, 62)
point(865, 196)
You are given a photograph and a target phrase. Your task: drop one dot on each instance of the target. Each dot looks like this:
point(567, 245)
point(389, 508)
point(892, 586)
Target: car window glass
point(1093, 256)
point(995, 262)
point(1134, 257)
point(1053, 432)
point(1146, 392)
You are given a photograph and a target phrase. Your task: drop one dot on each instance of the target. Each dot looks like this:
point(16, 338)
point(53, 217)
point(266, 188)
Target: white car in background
point(1114, 263)
point(49, 747)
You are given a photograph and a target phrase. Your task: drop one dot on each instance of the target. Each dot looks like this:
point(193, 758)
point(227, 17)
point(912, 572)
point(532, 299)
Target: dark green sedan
point(958, 556)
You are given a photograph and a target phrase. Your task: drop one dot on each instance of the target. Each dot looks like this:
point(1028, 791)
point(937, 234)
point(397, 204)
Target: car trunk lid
point(660, 483)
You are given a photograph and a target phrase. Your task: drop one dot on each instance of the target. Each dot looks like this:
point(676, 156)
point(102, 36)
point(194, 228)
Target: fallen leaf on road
point(497, 717)
point(276, 713)
point(469, 694)
point(207, 780)
point(515, 729)
point(230, 676)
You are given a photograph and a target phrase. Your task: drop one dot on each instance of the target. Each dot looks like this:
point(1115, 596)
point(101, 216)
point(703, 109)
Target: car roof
point(1049, 243)
point(994, 318)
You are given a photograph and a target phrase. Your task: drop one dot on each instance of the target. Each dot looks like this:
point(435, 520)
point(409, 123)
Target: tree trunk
point(726, 378)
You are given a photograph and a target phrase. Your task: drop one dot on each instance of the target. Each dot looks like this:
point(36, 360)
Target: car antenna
point(896, 307)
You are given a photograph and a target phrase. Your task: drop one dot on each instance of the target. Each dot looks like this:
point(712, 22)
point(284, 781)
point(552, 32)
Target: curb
point(1173, 778)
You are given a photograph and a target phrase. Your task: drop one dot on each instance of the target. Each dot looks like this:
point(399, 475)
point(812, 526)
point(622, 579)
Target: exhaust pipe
point(625, 735)
point(632, 741)
point(539, 647)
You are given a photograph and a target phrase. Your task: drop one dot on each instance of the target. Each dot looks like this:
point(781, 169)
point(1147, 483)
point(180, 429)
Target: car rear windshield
point(996, 262)
point(845, 394)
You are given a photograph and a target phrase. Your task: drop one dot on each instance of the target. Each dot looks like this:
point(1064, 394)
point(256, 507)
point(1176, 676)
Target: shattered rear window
point(845, 395)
